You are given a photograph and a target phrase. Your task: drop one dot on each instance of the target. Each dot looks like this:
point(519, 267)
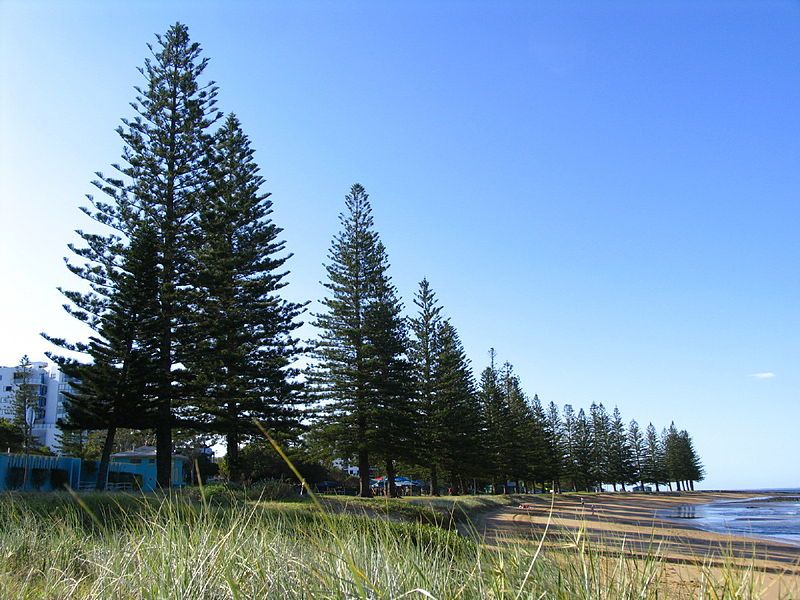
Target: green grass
point(123, 546)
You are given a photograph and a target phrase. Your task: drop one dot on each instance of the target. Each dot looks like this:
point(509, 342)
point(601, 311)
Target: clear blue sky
point(607, 193)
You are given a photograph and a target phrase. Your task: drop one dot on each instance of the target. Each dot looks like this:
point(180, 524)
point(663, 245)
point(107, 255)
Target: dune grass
point(124, 546)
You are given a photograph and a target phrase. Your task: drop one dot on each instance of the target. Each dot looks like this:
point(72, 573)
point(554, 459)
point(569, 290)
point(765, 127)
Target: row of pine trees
point(190, 331)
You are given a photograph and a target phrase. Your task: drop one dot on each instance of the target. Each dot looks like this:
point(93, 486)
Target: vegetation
point(151, 547)
point(190, 333)
point(25, 402)
point(361, 376)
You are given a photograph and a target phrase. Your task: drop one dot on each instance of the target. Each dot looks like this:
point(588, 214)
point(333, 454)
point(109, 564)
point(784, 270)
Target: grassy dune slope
point(230, 547)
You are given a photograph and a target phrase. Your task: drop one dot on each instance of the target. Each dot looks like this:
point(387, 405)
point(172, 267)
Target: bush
point(14, 478)
point(59, 478)
point(271, 489)
point(38, 477)
point(219, 494)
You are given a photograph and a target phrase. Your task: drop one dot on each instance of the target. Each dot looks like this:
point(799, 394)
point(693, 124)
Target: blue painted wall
point(51, 472)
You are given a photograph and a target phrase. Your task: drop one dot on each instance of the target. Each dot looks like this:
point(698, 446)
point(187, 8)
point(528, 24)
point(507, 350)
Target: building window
point(8, 388)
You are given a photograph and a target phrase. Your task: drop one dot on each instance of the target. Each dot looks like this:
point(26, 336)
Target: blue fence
point(45, 473)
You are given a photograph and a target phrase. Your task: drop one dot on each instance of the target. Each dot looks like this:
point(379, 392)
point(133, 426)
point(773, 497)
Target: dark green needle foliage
point(165, 157)
point(117, 389)
point(681, 461)
point(555, 444)
point(458, 411)
point(360, 377)
point(430, 409)
point(584, 453)
point(448, 417)
point(524, 433)
point(241, 344)
point(25, 401)
point(620, 458)
point(636, 443)
point(601, 434)
point(654, 469)
point(159, 188)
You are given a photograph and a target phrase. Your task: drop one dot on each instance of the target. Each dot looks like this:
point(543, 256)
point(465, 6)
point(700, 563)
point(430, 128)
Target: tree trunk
point(623, 486)
point(614, 486)
point(363, 475)
point(105, 459)
point(691, 485)
point(232, 457)
point(163, 425)
point(434, 481)
point(163, 451)
point(657, 488)
point(166, 338)
point(390, 475)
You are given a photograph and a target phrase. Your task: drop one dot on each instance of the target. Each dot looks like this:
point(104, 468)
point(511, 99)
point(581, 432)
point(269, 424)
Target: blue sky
point(607, 193)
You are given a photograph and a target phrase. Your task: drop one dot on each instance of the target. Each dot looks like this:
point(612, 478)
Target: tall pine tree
point(638, 454)
point(165, 155)
point(460, 449)
point(359, 376)
point(496, 419)
point(117, 388)
point(242, 346)
point(160, 187)
point(620, 463)
point(423, 354)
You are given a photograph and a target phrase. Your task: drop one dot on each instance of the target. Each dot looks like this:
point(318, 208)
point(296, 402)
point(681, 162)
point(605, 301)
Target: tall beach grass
point(121, 546)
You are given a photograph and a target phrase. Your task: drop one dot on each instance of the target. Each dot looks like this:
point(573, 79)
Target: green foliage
point(138, 273)
point(495, 420)
point(126, 546)
point(680, 459)
point(360, 377)
point(638, 452)
point(271, 490)
point(242, 345)
point(11, 438)
point(447, 414)
point(25, 401)
point(621, 469)
point(189, 330)
point(258, 462)
point(188, 276)
point(82, 444)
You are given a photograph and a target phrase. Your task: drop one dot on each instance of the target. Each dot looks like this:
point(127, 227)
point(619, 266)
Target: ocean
point(763, 516)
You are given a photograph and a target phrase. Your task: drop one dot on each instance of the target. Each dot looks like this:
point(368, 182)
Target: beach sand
point(627, 523)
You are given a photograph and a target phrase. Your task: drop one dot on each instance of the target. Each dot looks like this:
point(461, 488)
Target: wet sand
point(627, 523)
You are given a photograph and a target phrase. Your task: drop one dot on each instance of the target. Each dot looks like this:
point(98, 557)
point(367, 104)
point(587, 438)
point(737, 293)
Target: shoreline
point(706, 522)
point(627, 525)
point(631, 523)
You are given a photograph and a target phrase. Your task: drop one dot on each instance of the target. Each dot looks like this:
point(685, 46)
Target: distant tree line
point(191, 333)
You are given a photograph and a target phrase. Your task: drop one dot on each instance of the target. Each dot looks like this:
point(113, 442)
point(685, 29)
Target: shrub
point(59, 478)
point(38, 477)
point(271, 489)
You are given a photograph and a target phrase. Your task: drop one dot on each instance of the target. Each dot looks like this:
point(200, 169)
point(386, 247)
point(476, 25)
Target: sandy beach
point(628, 523)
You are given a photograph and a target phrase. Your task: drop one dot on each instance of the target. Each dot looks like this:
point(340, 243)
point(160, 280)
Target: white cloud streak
point(764, 375)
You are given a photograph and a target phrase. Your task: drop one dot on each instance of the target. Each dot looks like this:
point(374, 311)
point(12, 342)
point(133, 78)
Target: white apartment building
point(51, 385)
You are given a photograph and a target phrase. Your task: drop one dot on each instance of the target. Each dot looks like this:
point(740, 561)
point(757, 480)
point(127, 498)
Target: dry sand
point(627, 523)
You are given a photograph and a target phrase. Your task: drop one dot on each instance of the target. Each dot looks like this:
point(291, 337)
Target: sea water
point(768, 517)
